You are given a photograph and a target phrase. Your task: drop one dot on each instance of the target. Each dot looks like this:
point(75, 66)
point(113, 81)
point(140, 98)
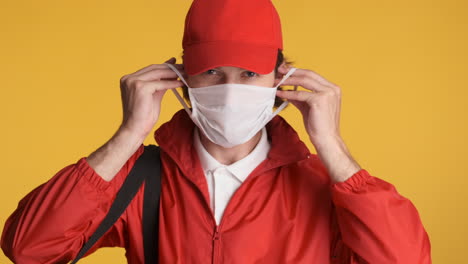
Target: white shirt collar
point(241, 168)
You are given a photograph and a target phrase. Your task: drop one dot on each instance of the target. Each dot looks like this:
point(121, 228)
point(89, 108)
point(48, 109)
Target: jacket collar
point(175, 138)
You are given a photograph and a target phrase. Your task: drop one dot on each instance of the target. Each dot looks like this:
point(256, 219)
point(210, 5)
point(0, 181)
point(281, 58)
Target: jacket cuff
point(353, 183)
point(91, 176)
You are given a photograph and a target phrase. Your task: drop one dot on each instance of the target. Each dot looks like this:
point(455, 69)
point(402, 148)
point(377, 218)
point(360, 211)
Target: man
point(254, 196)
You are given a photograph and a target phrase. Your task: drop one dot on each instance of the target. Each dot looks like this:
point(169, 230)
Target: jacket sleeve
point(52, 222)
point(375, 224)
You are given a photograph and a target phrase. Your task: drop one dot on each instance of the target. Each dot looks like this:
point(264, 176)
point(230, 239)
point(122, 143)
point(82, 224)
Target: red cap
point(239, 33)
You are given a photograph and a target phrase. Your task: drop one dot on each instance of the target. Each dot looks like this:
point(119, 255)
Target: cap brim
point(201, 57)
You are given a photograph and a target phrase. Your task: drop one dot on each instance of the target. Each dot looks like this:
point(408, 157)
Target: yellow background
point(402, 67)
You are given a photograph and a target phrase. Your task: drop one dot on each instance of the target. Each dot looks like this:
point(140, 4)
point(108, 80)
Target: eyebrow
point(241, 69)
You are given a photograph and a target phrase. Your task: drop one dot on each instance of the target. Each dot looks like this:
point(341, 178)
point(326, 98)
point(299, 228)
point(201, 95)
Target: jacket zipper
point(215, 245)
point(216, 233)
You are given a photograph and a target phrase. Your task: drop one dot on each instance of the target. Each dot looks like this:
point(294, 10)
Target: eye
point(210, 72)
point(251, 74)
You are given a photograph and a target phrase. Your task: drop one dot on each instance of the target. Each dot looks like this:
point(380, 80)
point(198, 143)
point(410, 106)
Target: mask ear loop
point(182, 101)
point(285, 103)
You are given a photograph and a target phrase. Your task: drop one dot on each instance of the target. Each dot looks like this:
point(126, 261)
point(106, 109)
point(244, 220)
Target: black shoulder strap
point(151, 208)
point(147, 167)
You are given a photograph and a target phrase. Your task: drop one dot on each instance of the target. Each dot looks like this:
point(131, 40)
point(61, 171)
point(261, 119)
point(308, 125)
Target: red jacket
point(286, 211)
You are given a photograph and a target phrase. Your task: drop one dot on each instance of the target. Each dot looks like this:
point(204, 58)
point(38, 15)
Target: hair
point(279, 60)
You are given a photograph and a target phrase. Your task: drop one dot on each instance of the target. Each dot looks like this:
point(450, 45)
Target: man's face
point(228, 74)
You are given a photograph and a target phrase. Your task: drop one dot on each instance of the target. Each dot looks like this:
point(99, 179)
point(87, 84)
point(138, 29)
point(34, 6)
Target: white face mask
point(230, 114)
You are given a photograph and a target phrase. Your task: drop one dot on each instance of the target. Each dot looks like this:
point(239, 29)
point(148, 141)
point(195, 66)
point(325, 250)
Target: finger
point(310, 73)
point(158, 74)
point(304, 81)
point(158, 66)
point(154, 86)
point(294, 95)
point(151, 67)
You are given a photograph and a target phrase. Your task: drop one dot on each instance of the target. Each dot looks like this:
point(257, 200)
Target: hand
point(320, 108)
point(141, 94)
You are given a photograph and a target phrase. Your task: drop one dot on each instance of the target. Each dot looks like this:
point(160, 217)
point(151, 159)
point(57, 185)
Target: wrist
point(327, 141)
point(337, 159)
point(109, 158)
point(128, 135)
